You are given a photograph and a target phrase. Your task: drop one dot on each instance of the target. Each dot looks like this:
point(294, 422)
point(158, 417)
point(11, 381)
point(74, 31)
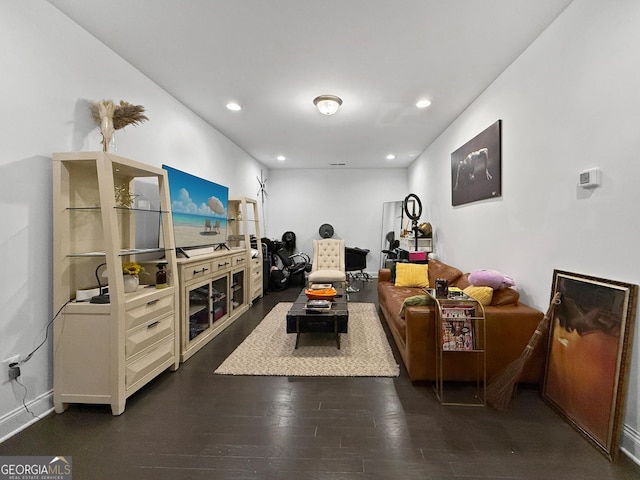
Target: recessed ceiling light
point(423, 103)
point(391, 156)
point(233, 106)
point(281, 158)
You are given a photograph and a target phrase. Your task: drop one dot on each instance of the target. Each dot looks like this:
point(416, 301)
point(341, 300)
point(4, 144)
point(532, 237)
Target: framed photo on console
point(587, 361)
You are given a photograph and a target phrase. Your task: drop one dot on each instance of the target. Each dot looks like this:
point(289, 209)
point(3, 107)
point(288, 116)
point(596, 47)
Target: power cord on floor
point(14, 368)
point(24, 399)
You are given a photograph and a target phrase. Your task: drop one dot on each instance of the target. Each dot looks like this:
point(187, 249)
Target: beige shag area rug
point(269, 350)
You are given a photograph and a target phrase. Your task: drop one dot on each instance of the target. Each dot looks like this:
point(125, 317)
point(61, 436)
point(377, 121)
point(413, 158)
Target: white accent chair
point(328, 264)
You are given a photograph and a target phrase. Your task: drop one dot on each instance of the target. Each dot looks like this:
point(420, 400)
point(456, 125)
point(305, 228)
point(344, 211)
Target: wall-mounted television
point(198, 209)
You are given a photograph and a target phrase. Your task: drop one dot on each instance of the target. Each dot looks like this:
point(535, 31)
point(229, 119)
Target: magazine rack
point(460, 331)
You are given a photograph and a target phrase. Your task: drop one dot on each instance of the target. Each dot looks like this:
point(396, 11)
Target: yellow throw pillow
point(481, 294)
point(412, 275)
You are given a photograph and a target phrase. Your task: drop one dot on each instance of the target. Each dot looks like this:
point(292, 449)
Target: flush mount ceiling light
point(391, 156)
point(423, 103)
point(281, 158)
point(234, 107)
point(327, 104)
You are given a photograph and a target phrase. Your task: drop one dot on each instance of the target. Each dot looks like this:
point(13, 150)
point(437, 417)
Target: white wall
point(570, 102)
point(51, 71)
point(350, 200)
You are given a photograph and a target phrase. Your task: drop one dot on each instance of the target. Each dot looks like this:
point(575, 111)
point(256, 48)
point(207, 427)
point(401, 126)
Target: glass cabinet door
point(219, 297)
point(237, 289)
point(198, 308)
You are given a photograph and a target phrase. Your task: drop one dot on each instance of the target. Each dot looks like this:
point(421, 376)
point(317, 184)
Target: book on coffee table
point(320, 286)
point(318, 304)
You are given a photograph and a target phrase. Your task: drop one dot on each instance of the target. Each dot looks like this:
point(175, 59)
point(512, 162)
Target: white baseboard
point(630, 443)
point(19, 419)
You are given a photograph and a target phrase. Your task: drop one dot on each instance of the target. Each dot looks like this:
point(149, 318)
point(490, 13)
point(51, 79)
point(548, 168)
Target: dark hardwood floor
point(192, 424)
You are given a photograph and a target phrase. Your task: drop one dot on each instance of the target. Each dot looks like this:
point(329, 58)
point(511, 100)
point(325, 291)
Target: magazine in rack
point(457, 327)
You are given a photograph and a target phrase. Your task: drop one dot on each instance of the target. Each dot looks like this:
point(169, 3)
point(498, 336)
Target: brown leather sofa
point(509, 323)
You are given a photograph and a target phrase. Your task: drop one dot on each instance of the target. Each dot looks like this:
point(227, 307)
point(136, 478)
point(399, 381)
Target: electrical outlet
point(14, 372)
point(14, 359)
point(8, 361)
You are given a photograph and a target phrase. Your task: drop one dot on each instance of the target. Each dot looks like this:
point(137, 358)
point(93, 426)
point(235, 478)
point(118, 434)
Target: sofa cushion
point(412, 275)
point(462, 281)
point(392, 269)
point(505, 296)
point(481, 294)
point(415, 300)
point(393, 297)
point(437, 269)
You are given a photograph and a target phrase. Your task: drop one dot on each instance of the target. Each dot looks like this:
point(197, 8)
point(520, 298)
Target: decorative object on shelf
point(111, 117)
point(131, 283)
point(426, 229)
point(131, 280)
point(123, 197)
point(161, 275)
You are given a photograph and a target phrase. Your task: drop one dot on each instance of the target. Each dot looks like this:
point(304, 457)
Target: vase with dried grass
point(111, 117)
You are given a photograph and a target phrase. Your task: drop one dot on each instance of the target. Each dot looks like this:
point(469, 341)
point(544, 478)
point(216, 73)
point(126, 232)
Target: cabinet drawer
point(147, 335)
point(136, 371)
point(220, 264)
point(256, 264)
point(148, 310)
point(256, 273)
point(238, 260)
point(197, 270)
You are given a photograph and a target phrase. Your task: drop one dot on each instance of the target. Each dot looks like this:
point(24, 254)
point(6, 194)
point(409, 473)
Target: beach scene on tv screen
point(198, 209)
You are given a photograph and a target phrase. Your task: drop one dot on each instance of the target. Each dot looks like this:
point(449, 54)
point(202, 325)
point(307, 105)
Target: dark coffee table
point(332, 320)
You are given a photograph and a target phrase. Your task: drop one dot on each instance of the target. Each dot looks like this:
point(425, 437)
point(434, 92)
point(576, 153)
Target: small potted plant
point(130, 271)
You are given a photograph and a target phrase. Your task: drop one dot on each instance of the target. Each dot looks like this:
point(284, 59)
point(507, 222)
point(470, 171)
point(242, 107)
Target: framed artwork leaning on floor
point(587, 360)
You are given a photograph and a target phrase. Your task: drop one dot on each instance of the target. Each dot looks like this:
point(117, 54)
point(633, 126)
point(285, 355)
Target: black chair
point(355, 260)
point(393, 252)
point(293, 266)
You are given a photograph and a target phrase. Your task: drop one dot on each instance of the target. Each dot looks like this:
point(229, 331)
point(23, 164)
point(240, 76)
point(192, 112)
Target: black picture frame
point(476, 167)
point(587, 360)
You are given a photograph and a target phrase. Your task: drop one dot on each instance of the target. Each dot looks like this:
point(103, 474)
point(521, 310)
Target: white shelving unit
point(105, 352)
point(244, 232)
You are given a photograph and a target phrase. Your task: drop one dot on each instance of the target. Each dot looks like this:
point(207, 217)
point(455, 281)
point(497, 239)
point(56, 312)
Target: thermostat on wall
point(589, 178)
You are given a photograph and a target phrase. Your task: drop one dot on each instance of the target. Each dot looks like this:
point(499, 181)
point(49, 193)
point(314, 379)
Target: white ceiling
point(275, 56)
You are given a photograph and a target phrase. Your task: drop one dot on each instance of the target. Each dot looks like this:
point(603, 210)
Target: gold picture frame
point(587, 360)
